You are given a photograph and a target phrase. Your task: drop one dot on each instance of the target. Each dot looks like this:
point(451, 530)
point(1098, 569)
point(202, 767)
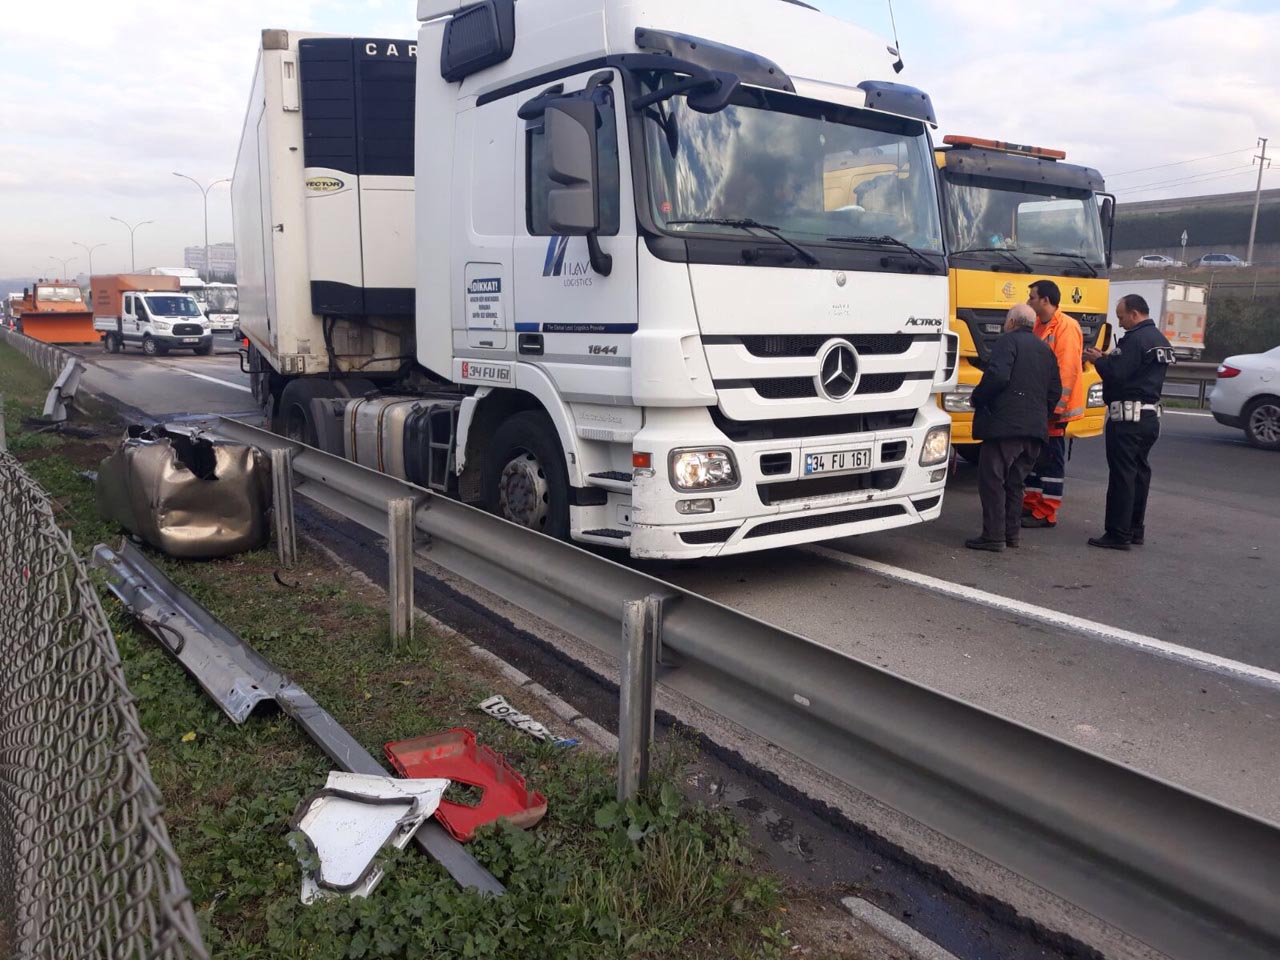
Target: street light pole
point(89, 250)
point(64, 263)
point(133, 262)
point(204, 192)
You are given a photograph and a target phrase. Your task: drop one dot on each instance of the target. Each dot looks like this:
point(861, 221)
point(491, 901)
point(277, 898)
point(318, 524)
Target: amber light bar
point(1005, 147)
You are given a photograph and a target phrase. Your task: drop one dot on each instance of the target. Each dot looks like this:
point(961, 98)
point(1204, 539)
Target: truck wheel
point(293, 414)
point(525, 479)
point(969, 451)
point(204, 349)
point(1262, 423)
point(150, 347)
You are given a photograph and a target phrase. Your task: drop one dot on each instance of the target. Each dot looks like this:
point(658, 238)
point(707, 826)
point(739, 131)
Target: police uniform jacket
point(1135, 369)
point(1019, 390)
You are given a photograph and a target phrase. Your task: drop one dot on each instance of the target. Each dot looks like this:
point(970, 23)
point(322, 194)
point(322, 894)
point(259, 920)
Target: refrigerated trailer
point(576, 261)
point(1178, 308)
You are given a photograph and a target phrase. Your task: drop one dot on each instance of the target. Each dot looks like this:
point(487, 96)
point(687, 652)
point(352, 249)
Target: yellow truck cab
point(1015, 214)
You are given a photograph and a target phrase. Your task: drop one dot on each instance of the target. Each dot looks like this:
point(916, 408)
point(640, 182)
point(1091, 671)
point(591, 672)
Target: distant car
point(1219, 260)
point(1247, 396)
point(1159, 261)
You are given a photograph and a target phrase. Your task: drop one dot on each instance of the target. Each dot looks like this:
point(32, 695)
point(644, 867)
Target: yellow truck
point(1015, 214)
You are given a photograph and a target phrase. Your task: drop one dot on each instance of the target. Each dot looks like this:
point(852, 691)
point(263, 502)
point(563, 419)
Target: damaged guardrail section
point(1190, 877)
point(86, 866)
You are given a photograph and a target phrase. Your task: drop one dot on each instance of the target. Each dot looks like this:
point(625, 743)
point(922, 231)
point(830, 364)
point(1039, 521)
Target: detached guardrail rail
point(1182, 873)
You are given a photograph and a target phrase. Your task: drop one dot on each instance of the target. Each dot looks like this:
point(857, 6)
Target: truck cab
point(1016, 214)
point(646, 304)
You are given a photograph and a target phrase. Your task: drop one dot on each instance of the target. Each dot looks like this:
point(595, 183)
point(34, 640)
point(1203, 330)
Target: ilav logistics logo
point(576, 273)
point(324, 184)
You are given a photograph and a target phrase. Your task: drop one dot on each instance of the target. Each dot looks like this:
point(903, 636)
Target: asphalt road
point(1143, 656)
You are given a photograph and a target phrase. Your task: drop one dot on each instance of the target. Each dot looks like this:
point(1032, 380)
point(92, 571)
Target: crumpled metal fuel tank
point(190, 496)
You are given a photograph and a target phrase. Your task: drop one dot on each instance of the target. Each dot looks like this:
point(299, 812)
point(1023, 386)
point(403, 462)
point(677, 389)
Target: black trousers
point(1128, 445)
point(1003, 466)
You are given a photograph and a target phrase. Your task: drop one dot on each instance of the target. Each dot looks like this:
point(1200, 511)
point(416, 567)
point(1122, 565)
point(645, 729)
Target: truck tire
point(293, 413)
point(524, 478)
point(1262, 423)
point(150, 347)
point(204, 349)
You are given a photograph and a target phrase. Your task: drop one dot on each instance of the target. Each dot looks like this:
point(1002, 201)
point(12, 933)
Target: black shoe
point(1138, 538)
point(977, 543)
point(1012, 544)
point(1108, 542)
point(1033, 523)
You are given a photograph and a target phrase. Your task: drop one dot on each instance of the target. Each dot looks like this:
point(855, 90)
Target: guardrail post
point(4, 445)
point(400, 556)
point(282, 497)
point(641, 640)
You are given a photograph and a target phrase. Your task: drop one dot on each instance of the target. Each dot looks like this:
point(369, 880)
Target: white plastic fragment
point(348, 822)
point(497, 707)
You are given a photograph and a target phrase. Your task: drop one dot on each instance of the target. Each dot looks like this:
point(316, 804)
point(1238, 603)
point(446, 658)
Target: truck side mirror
point(573, 208)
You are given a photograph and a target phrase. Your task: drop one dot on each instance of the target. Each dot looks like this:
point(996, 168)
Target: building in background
point(222, 261)
point(1218, 223)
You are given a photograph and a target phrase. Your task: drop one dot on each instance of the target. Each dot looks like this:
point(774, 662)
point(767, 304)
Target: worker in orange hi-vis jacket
point(1061, 332)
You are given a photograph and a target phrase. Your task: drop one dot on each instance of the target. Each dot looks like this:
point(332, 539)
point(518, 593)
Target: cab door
point(569, 319)
point(128, 316)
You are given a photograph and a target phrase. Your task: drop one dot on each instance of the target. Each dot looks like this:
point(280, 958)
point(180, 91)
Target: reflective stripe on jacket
point(1062, 334)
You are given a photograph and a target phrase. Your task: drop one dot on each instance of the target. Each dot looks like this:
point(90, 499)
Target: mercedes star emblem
point(840, 278)
point(838, 372)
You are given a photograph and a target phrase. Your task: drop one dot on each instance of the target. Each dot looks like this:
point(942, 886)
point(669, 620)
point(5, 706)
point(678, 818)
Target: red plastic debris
point(455, 755)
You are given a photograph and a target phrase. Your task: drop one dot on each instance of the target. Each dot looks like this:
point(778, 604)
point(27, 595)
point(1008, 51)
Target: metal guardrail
point(86, 866)
point(1182, 873)
point(1201, 375)
point(49, 357)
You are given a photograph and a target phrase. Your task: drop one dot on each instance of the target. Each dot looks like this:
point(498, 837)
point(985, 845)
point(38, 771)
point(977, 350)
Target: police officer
point(1132, 380)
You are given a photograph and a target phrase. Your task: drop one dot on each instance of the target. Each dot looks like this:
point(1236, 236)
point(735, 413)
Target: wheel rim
point(523, 492)
point(149, 346)
point(1264, 423)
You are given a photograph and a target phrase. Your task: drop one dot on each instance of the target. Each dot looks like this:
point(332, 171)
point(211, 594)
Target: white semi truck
point(666, 276)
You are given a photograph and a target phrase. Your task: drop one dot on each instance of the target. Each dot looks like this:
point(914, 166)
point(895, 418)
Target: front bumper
point(780, 508)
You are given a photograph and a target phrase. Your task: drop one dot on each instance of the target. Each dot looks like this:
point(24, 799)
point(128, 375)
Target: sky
point(103, 102)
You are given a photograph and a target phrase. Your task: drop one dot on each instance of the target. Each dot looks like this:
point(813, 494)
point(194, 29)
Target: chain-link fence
point(86, 866)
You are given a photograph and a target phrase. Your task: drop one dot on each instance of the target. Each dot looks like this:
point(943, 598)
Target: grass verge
point(659, 877)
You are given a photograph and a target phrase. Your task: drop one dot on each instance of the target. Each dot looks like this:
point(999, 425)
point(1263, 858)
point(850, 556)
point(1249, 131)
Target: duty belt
point(1130, 410)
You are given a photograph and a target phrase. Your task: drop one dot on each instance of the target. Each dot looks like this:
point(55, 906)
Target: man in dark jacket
point(1019, 390)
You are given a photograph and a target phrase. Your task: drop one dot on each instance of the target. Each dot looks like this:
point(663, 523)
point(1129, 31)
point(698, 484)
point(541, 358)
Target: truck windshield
point(62, 294)
point(987, 216)
point(812, 170)
point(175, 306)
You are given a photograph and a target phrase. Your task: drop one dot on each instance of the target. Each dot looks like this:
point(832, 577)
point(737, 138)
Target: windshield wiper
point(1070, 256)
point(746, 223)
point(887, 241)
point(1026, 267)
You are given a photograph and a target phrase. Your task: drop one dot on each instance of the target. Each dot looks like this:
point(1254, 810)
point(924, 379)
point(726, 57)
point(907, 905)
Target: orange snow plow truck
point(54, 311)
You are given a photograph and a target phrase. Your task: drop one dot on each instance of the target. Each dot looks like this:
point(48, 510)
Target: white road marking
point(1053, 618)
point(1186, 413)
point(202, 376)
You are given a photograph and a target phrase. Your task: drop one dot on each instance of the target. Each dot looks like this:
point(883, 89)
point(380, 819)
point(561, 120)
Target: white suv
point(1247, 395)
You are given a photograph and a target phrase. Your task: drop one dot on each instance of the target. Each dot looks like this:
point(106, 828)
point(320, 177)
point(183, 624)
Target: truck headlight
point(936, 448)
point(961, 401)
point(703, 469)
point(1095, 396)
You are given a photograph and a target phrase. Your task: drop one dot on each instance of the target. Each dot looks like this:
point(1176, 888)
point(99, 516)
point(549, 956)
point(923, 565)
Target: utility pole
point(89, 250)
point(133, 261)
point(204, 192)
point(1263, 163)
